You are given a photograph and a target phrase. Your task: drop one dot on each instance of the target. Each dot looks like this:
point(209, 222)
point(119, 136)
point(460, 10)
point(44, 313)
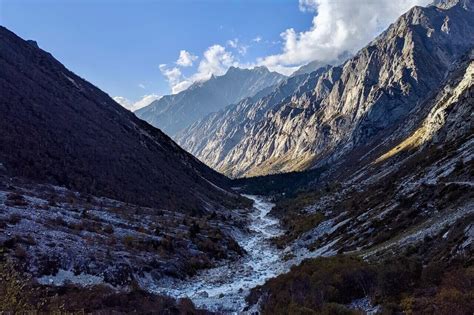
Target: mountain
point(173, 113)
point(55, 127)
point(344, 108)
point(213, 138)
point(403, 211)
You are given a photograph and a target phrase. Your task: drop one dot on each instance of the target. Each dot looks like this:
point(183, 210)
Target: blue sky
point(130, 48)
point(119, 45)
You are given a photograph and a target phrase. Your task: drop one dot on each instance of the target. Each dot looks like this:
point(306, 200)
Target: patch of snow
point(72, 81)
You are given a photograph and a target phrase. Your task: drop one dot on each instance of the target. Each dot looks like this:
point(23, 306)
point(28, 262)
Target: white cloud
point(133, 106)
point(233, 42)
point(186, 59)
point(123, 101)
point(215, 61)
point(173, 75)
point(241, 48)
point(308, 5)
point(142, 86)
point(337, 27)
point(257, 39)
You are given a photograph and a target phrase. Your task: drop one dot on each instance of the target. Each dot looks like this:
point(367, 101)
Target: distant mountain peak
point(173, 113)
point(316, 118)
point(317, 64)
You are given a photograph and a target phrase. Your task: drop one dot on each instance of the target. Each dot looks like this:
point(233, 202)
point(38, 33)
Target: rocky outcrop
point(173, 113)
point(345, 107)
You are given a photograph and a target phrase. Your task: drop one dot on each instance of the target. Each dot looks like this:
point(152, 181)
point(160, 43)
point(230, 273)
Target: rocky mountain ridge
point(345, 107)
point(173, 113)
point(405, 208)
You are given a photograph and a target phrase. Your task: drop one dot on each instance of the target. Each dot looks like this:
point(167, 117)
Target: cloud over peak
point(186, 59)
point(215, 61)
point(337, 27)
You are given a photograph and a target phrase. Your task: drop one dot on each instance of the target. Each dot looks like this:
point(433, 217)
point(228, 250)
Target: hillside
point(57, 128)
point(405, 211)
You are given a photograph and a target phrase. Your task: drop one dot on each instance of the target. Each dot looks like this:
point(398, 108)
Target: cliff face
point(342, 108)
point(56, 127)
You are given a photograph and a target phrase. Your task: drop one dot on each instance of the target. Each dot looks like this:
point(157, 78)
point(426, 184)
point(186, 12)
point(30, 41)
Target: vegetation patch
point(398, 285)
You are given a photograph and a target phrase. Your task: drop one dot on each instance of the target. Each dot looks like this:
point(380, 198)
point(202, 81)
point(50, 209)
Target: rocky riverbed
point(224, 288)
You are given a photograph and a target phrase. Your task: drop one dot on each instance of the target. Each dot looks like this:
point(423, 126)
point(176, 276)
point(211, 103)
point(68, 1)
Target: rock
point(315, 119)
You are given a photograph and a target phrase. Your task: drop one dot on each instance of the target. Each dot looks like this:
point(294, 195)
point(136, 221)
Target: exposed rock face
point(342, 108)
point(215, 137)
point(58, 128)
point(173, 113)
point(412, 197)
point(446, 4)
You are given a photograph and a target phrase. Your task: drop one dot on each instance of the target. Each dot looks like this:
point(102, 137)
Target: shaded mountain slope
point(56, 127)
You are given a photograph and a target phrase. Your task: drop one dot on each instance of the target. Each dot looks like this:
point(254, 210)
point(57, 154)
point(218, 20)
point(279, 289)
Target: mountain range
point(315, 118)
point(173, 113)
point(361, 175)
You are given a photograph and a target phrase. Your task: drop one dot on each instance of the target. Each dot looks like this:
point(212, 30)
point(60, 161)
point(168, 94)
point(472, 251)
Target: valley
point(224, 288)
point(343, 186)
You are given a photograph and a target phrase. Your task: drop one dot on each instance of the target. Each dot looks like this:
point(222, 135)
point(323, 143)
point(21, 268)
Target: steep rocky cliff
point(343, 108)
point(404, 211)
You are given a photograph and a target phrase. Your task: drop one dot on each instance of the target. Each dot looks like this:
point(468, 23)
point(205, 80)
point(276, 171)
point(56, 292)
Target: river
point(224, 288)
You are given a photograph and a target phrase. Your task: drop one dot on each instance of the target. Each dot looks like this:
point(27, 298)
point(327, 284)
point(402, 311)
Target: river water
point(224, 288)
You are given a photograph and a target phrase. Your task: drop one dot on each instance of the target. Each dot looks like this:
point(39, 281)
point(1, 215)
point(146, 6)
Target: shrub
point(109, 229)
point(129, 241)
point(14, 218)
point(17, 200)
point(14, 290)
point(194, 230)
point(317, 283)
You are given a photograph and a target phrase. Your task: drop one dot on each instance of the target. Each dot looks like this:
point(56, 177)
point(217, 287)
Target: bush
point(317, 284)
point(109, 229)
point(14, 218)
point(14, 290)
point(129, 241)
point(194, 230)
point(16, 200)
